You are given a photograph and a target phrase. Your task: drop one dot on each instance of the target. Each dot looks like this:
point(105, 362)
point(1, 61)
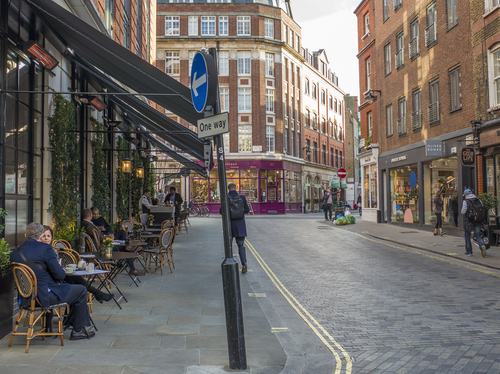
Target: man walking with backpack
point(238, 207)
point(474, 215)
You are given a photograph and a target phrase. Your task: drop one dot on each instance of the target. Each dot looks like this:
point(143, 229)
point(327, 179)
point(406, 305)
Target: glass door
point(272, 190)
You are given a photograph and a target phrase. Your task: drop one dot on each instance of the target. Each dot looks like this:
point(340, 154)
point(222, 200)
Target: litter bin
point(338, 210)
point(379, 216)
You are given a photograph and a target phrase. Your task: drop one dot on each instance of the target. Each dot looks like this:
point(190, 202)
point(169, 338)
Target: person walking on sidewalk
point(328, 204)
point(474, 215)
point(358, 203)
point(238, 225)
point(438, 211)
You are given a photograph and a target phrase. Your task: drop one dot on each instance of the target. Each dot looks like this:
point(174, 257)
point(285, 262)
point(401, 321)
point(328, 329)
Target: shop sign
point(397, 159)
point(434, 148)
point(257, 148)
point(468, 156)
point(350, 180)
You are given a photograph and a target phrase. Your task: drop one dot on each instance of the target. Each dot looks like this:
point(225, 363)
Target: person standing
point(238, 226)
point(358, 202)
point(175, 199)
point(469, 200)
point(438, 211)
point(328, 204)
point(454, 209)
point(161, 196)
point(145, 205)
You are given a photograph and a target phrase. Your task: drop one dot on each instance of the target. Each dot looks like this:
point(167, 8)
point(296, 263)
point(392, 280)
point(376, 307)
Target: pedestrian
point(474, 216)
point(238, 225)
point(454, 209)
point(328, 204)
point(438, 211)
point(174, 199)
point(358, 202)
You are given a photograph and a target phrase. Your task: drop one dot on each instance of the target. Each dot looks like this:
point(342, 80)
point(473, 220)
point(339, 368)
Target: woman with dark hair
point(438, 210)
point(48, 236)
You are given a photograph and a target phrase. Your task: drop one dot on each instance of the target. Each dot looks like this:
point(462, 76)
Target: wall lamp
point(370, 95)
point(127, 165)
point(139, 171)
point(41, 54)
point(308, 150)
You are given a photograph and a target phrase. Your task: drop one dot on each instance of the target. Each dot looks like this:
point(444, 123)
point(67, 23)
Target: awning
point(117, 61)
point(343, 184)
point(335, 183)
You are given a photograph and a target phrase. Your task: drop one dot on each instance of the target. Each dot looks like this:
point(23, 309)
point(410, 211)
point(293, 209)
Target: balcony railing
point(433, 113)
point(431, 35)
point(402, 126)
point(414, 48)
point(400, 59)
point(416, 120)
point(397, 4)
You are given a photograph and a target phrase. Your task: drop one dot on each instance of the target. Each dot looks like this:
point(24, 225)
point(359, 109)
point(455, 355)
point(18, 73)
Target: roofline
point(359, 6)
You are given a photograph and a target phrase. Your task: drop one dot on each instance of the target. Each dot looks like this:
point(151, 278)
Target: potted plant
point(490, 202)
point(151, 219)
point(6, 285)
point(316, 204)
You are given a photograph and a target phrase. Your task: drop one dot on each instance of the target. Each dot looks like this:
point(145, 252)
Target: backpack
point(477, 213)
point(236, 207)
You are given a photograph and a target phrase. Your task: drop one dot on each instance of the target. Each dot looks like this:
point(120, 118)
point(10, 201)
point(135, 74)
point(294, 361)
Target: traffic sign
point(342, 173)
point(204, 81)
point(214, 125)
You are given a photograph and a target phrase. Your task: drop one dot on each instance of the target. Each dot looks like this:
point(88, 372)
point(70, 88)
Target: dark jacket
point(238, 226)
point(178, 202)
point(102, 222)
point(438, 203)
point(43, 254)
point(89, 227)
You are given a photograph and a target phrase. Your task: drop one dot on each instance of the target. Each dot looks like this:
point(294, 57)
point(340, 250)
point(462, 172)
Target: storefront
point(369, 184)
point(269, 186)
point(411, 178)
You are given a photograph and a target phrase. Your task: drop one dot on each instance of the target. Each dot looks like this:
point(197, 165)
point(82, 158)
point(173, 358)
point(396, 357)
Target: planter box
point(6, 304)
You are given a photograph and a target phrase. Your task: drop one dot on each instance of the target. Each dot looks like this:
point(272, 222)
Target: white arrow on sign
point(198, 82)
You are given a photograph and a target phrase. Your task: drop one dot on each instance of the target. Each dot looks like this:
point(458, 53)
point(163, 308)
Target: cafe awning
point(343, 184)
point(335, 183)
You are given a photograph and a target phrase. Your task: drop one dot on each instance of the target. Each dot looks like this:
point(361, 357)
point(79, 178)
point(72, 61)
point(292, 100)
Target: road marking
point(257, 294)
point(322, 334)
point(279, 329)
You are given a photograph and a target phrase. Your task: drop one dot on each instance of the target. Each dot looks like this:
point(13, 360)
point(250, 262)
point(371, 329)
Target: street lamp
point(139, 171)
point(127, 165)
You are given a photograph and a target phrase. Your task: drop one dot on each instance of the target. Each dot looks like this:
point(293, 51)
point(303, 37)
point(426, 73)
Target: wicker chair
point(182, 221)
point(89, 244)
point(27, 287)
point(95, 236)
point(168, 223)
point(61, 243)
point(74, 253)
point(128, 226)
point(162, 254)
point(66, 258)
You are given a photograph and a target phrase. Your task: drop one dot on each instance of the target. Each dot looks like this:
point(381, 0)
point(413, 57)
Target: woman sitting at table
point(48, 236)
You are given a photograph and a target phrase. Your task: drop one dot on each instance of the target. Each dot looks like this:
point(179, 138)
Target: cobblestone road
point(391, 308)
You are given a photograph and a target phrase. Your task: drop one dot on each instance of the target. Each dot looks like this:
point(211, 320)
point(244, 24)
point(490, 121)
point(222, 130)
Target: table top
point(151, 236)
point(133, 243)
point(114, 255)
point(85, 272)
point(153, 229)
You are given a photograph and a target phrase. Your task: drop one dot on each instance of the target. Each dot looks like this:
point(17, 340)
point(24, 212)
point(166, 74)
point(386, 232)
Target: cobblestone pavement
point(384, 307)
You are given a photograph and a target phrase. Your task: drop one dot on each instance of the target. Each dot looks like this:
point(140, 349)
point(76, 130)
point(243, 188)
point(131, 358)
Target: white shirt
point(145, 202)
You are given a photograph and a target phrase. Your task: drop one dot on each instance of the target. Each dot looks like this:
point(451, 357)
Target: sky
point(331, 25)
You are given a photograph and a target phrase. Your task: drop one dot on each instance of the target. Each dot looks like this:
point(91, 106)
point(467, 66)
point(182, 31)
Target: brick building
point(424, 102)
point(285, 108)
point(351, 143)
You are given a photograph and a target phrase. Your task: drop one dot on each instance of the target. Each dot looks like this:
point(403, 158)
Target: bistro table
point(138, 249)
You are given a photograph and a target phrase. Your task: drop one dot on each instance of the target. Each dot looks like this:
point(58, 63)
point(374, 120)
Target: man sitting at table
point(100, 222)
point(40, 257)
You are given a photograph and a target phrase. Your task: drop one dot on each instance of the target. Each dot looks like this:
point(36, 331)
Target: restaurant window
point(404, 194)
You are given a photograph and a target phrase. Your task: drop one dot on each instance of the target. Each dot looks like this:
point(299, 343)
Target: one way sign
point(214, 125)
point(203, 81)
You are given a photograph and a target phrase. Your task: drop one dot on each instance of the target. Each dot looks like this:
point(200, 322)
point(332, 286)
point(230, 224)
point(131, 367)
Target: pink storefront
point(270, 186)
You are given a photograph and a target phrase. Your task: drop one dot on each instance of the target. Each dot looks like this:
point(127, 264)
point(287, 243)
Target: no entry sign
point(342, 173)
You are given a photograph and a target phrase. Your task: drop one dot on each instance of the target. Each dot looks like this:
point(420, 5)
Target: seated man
point(100, 222)
point(49, 274)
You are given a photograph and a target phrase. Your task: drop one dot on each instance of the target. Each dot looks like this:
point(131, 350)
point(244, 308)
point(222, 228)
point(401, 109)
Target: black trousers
point(77, 299)
point(439, 221)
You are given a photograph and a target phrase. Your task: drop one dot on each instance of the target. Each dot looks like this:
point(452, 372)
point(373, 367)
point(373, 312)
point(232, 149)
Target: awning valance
point(343, 184)
point(335, 183)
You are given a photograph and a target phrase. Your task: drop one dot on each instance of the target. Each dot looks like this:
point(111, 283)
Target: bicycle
point(198, 210)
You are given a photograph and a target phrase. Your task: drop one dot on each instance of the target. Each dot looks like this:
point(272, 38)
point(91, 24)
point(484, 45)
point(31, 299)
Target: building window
point(223, 63)
point(336, 158)
point(494, 72)
point(315, 152)
point(208, 25)
point(244, 138)
point(244, 99)
point(292, 139)
point(314, 91)
point(386, 10)
point(191, 55)
point(224, 99)
point(323, 151)
point(431, 30)
point(109, 14)
point(323, 97)
point(388, 120)
point(308, 118)
point(387, 59)
point(244, 63)
point(330, 102)
point(416, 115)
point(171, 25)
point(269, 28)
point(433, 109)
point(368, 65)
point(126, 24)
point(223, 28)
point(490, 4)
point(414, 40)
point(270, 138)
point(398, 4)
point(306, 87)
point(193, 26)
point(323, 125)
point(308, 150)
point(370, 186)
point(270, 101)
point(331, 158)
point(243, 26)
point(400, 54)
point(336, 106)
point(315, 121)
point(455, 89)
point(367, 23)
point(172, 63)
point(138, 29)
point(370, 123)
point(340, 159)
point(452, 9)
point(402, 116)
point(269, 65)
point(297, 151)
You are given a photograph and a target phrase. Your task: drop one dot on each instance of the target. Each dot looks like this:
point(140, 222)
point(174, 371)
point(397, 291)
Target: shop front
point(369, 185)
point(269, 186)
point(412, 178)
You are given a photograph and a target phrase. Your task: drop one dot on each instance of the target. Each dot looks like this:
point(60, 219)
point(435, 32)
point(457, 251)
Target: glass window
point(388, 119)
point(191, 55)
point(243, 26)
point(224, 99)
point(245, 138)
point(455, 89)
point(270, 138)
point(214, 190)
point(244, 99)
point(452, 9)
point(199, 190)
point(368, 66)
point(270, 101)
point(208, 25)
point(314, 93)
point(367, 23)
point(370, 123)
point(269, 64)
point(223, 63)
point(414, 38)
point(306, 86)
point(172, 63)
point(269, 28)
point(497, 165)
point(223, 29)
point(193, 26)
point(172, 26)
point(387, 59)
point(244, 63)
point(404, 194)
point(386, 9)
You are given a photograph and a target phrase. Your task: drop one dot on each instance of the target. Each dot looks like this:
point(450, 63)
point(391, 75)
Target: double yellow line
point(342, 358)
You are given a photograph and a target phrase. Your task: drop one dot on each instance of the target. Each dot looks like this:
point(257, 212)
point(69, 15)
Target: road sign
point(204, 81)
point(214, 125)
point(342, 173)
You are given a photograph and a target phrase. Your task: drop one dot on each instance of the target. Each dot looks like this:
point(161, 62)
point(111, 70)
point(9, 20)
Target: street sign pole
point(230, 272)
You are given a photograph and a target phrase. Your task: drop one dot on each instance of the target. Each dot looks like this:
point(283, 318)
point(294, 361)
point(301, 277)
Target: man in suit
point(41, 258)
point(100, 222)
point(239, 227)
point(175, 199)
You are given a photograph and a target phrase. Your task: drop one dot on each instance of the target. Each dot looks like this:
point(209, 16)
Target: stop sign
point(342, 173)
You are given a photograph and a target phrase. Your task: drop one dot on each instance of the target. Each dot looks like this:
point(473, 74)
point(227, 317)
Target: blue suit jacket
point(43, 254)
point(238, 226)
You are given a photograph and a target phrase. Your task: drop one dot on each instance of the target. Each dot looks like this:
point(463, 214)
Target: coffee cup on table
point(69, 270)
point(90, 267)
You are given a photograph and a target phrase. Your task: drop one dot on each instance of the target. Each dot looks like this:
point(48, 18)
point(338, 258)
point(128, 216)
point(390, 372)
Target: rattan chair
point(89, 244)
point(128, 226)
point(74, 253)
point(61, 243)
point(27, 287)
point(161, 255)
point(168, 223)
point(66, 258)
point(182, 221)
point(95, 235)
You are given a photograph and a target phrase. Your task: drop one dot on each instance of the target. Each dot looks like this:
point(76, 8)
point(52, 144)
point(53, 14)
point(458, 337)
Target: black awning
point(117, 61)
